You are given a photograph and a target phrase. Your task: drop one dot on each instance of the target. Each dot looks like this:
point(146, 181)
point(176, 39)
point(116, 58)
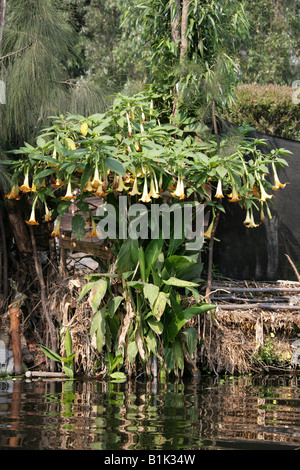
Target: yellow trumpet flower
point(58, 183)
point(263, 195)
point(70, 143)
point(208, 232)
point(249, 221)
point(277, 183)
point(14, 193)
point(93, 233)
point(145, 196)
point(234, 196)
point(96, 180)
point(129, 125)
point(121, 187)
point(47, 214)
point(32, 220)
point(153, 192)
point(219, 193)
point(135, 188)
point(25, 188)
point(179, 191)
point(56, 230)
point(88, 186)
point(100, 191)
point(69, 194)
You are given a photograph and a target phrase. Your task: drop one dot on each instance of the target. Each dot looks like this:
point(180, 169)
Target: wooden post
point(15, 313)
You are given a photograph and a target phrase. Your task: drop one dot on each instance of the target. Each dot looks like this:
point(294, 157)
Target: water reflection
point(214, 414)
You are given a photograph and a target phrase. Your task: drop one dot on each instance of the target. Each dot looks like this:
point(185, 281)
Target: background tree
point(271, 53)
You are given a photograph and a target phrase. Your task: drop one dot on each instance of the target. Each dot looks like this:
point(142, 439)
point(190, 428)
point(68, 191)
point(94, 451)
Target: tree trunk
point(175, 20)
point(15, 332)
point(18, 227)
point(184, 25)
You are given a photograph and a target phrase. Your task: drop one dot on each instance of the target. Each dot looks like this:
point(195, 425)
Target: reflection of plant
point(66, 362)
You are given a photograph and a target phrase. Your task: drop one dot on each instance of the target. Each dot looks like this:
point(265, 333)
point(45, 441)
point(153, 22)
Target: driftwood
point(59, 375)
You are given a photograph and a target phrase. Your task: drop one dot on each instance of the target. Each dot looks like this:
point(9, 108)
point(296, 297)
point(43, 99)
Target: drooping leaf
point(191, 339)
point(51, 354)
point(98, 292)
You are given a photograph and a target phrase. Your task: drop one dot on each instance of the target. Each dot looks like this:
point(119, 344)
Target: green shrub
point(267, 108)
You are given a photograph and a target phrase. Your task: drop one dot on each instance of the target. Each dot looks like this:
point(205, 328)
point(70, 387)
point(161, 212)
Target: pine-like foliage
point(38, 73)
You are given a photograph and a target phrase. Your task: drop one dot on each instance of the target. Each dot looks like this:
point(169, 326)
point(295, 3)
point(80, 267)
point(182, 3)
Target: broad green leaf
point(142, 263)
point(51, 354)
point(132, 351)
point(160, 305)
point(115, 166)
point(114, 304)
point(68, 343)
point(98, 327)
point(151, 341)
point(118, 377)
point(191, 339)
point(155, 325)
point(85, 290)
point(98, 292)
point(151, 253)
point(179, 319)
point(151, 292)
point(173, 281)
point(178, 357)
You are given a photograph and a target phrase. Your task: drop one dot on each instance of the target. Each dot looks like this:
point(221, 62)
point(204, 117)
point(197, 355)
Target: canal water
point(245, 413)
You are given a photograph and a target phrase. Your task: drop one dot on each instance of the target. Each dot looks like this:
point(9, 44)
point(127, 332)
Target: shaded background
point(259, 253)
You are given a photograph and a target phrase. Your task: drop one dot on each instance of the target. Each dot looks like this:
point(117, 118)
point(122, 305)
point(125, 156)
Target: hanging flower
point(96, 180)
point(88, 186)
point(58, 183)
point(69, 194)
point(14, 193)
point(219, 193)
point(100, 191)
point(262, 215)
point(143, 118)
point(179, 191)
point(25, 188)
point(32, 220)
point(263, 195)
point(234, 195)
point(208, 232)
point(47, 214)
point(277, 183)
point(70, 143)
point(135, 188)
point(153, 192)
point(56, 230)
point(129, 125)
point(121, 187)
point(93, 233)
point(145, 196)
point(249, 221)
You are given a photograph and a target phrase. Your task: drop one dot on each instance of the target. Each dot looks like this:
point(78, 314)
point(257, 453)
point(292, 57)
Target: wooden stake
point(15, 314)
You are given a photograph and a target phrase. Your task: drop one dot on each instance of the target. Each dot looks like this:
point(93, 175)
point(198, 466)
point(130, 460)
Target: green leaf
point(132, 351)
point(151, 292)
point(179, 319)
point(85, 290)
point(98, 327)
point(118, 376)
point(173, 281)
point(78, 227)
point(51, 354)
point(114, 304)
point(68, 343)
point(178, 356)
point(98, 292)
point(191, 339)
point(115, 165)
point(160, 305)
point(142, 263)
point(151, 253)
point(155, 325)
